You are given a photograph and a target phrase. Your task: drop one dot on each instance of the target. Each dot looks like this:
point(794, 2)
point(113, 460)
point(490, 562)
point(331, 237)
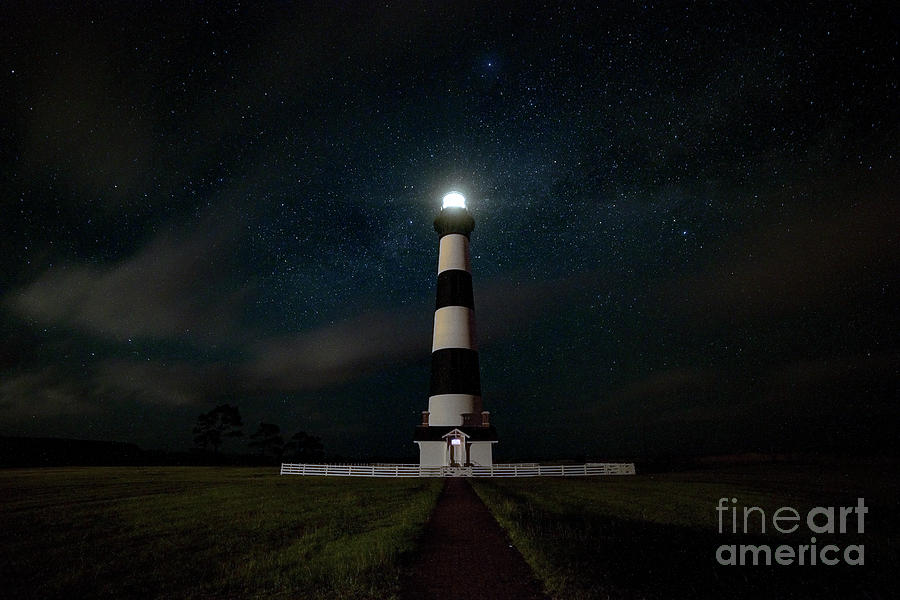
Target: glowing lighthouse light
point(454, 200)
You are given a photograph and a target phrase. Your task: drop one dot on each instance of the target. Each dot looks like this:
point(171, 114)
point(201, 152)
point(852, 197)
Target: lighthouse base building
point(455, 446)
point(455, 431)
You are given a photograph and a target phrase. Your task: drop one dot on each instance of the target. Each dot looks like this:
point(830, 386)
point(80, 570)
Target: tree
point(267, 440)
point(303, 447)
point(224, 421)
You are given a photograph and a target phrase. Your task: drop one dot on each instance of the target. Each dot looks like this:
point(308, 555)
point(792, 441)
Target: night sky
point(686, 234)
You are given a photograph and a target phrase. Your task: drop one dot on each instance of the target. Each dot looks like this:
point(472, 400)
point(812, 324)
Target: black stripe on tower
point(455, 371)
point(454, 288)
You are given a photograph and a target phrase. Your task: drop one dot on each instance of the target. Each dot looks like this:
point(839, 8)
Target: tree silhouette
point(267, 440)
point(303, 447)
point(223, 421)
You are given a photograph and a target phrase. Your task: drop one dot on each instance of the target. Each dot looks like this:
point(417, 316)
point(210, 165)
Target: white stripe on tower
point(454, 327)
point(449, 408)
point(454, 253)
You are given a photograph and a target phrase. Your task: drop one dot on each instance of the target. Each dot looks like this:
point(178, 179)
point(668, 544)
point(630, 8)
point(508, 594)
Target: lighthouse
point(455, 431)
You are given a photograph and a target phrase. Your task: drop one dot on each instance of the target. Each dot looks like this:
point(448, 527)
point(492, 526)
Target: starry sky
point(686, 220)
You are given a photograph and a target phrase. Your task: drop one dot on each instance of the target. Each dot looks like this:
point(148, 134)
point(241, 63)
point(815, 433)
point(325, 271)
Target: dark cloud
point(172, 288)
point(164, 383)
point(83, 122)
point(833, 402)
point(819, 261)
point(506, 305)
point(338, 352)
point(664, 383)
point(45, 392)
point(822, 371)
point(348, 349)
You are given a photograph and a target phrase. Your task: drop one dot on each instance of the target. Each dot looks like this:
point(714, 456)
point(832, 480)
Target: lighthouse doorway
point(457, 449)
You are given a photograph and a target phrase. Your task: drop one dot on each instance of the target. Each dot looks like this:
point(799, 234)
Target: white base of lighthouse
point(436, 454)
point(456, 447)
point(433, 454)
point(483, 454)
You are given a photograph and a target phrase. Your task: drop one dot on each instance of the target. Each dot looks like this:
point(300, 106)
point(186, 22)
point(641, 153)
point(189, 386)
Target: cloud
point(666, 382)
point(849, 398)
point(834, 369)
point(675, 396)
point(177, 287)
point(55, 391)
point(83, 119)
point(40, 393)
point(342, 351)
point(505, 306)
point(814, 262)
point(170, 289)
point(338, 352)
point(163, 383)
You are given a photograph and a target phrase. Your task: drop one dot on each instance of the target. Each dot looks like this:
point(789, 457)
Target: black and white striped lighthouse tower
point(454, 430)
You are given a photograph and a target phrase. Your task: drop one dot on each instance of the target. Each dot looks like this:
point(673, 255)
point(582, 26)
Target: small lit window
point(456, 441)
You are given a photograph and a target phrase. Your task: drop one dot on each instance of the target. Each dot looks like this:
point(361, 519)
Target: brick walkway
point(464, 553)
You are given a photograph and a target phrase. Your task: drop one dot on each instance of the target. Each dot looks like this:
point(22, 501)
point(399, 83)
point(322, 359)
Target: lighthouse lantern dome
point(454, 200)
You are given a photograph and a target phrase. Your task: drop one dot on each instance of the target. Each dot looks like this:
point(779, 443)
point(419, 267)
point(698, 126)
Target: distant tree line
point(224, 422)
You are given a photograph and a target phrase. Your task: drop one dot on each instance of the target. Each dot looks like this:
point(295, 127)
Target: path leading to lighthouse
point(464, 553)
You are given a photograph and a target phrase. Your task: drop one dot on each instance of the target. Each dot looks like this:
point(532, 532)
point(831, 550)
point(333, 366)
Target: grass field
point(249, 533)
point(656, 536)
point(205, 533)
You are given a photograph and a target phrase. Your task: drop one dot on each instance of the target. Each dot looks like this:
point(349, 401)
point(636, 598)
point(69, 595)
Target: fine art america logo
point(819, 520)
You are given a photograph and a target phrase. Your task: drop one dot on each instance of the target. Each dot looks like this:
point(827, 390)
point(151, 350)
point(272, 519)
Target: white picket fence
point(498, 470)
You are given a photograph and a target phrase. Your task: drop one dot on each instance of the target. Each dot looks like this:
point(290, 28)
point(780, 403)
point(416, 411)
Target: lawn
point(656, 536)
point(186, 532)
